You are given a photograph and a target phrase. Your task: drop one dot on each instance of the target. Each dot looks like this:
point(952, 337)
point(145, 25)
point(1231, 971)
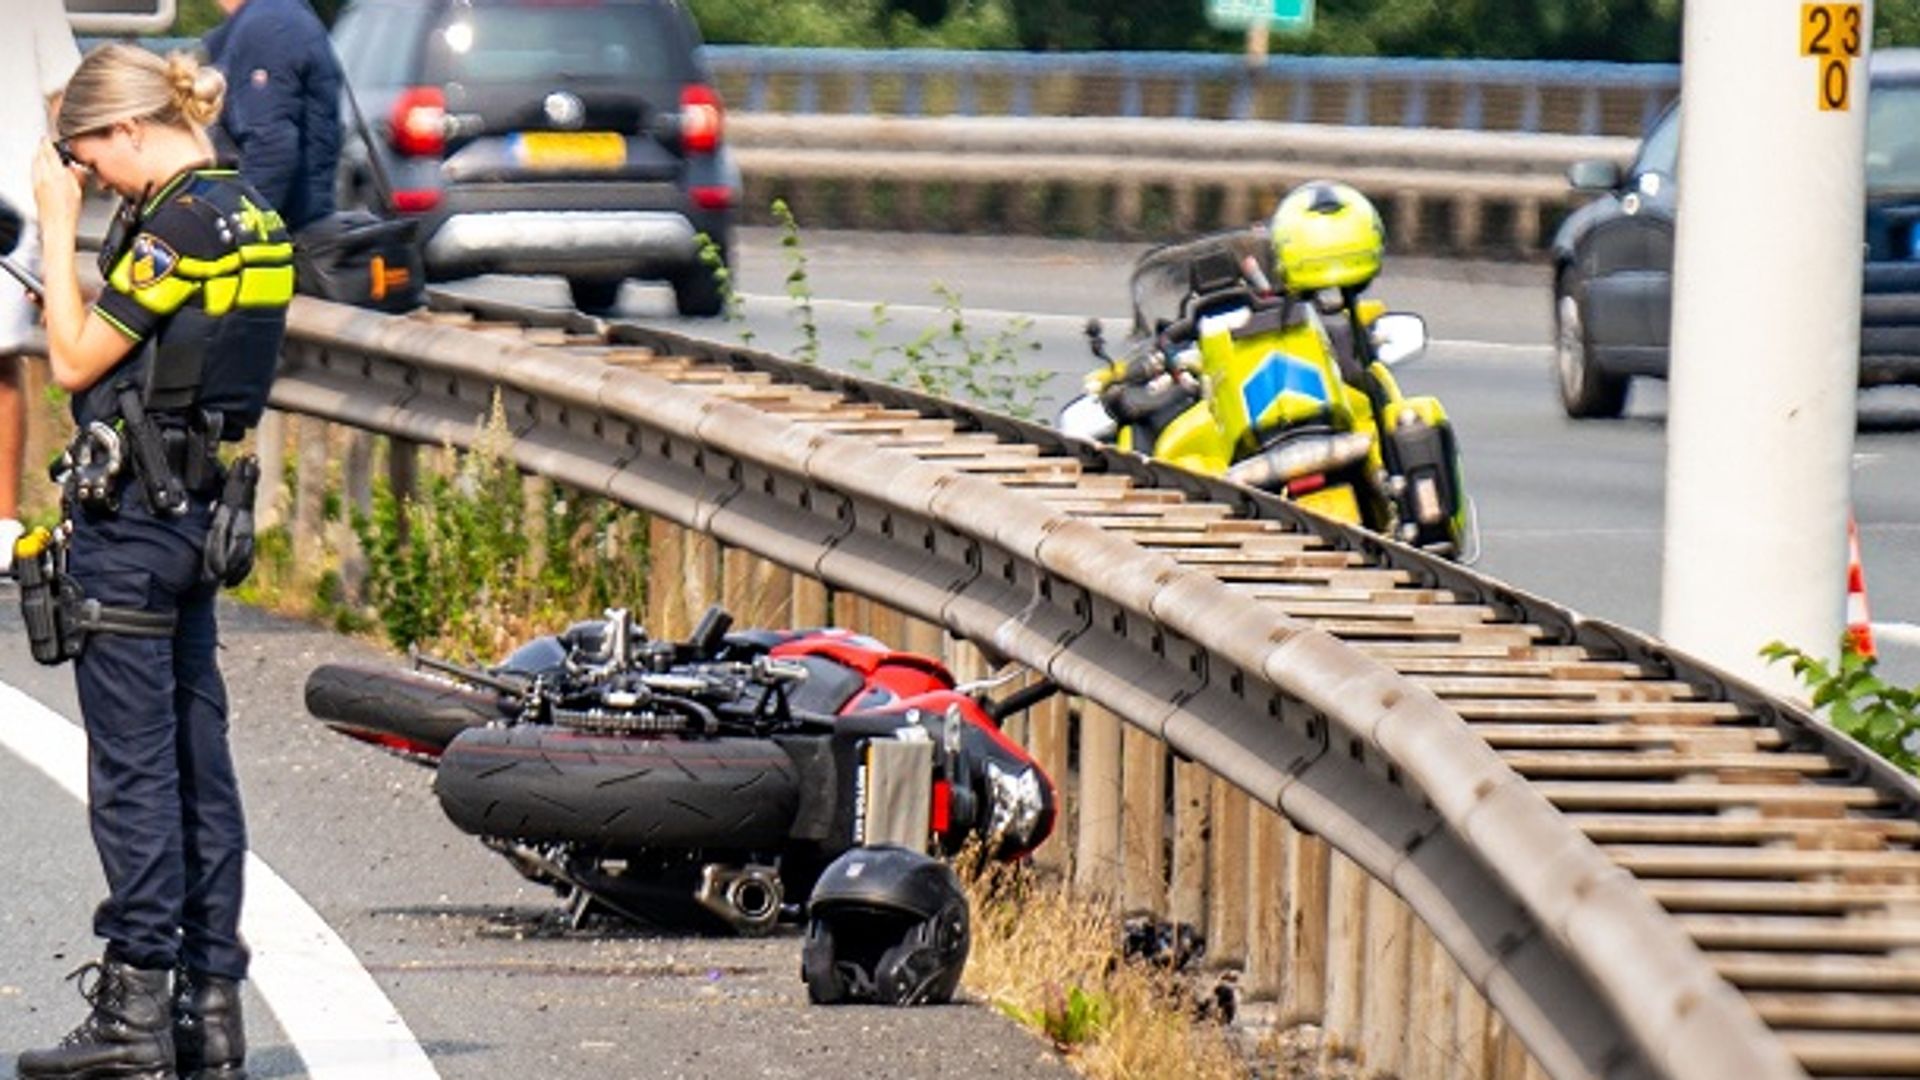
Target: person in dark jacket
point(282, 117)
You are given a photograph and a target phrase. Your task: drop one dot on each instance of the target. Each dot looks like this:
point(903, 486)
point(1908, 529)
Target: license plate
point(570, 149)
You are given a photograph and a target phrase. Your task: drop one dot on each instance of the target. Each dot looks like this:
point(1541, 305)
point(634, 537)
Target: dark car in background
point(1613, 258)
point(574, 137)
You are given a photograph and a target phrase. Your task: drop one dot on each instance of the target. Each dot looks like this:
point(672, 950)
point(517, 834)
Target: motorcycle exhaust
point(1272, 468)
point(746, 898)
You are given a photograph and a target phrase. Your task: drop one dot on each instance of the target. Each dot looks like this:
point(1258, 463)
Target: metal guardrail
point(1565, 944)
point(1579, 98)
point(1454, 191)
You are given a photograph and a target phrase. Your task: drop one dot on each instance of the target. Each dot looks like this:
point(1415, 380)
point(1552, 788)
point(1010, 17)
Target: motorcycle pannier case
point(354, 257)
point(1429, 460)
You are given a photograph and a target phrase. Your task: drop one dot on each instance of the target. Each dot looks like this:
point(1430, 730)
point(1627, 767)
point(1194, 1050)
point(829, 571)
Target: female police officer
point(175, 356)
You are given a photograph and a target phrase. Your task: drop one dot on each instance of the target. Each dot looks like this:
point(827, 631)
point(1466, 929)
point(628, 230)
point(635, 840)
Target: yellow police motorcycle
point(1287, 390)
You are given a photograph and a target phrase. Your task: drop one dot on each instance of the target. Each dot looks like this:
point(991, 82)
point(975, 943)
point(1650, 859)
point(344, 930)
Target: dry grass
point(1051, 961)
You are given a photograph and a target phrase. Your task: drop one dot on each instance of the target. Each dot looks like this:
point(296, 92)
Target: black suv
point(571, 137)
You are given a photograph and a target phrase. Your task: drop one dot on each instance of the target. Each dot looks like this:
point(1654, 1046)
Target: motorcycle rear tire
point(616, 793)
point(383, 702)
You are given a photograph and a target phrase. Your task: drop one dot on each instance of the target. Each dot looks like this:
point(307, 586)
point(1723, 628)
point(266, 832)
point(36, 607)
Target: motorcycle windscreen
point(1162, 279)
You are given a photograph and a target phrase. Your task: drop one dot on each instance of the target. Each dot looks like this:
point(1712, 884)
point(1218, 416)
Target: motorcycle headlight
point(1017, 800)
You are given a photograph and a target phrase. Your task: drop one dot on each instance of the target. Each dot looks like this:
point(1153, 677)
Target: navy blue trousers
point(165, 811)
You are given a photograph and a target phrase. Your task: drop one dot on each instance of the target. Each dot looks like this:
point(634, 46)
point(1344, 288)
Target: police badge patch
point(153, 261)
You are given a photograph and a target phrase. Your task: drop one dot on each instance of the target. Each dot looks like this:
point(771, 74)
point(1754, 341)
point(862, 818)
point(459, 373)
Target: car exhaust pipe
point(746, 898)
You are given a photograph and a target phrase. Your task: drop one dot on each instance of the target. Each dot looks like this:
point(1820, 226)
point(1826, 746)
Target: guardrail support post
point(1530, 109)
point(1432, 984)
point(1227, 881)
point(1303, 989)
point(270, 444)
point(1590, 112)
point(1415, 113)
point(358, 481)
point(1266, 904)
point(309, 542)
point(1346, 959)
point(1383, 1029)
point(1097, 850)
point(1144, 829)
point(759, 592)
point(1192, 807)
point(1047, 742)
point(809, 602)
point(666, 617)
point(1471, 1037)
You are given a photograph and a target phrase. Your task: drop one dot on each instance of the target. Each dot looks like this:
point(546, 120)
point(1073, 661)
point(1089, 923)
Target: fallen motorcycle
point(698, 783)
point(1284, 389)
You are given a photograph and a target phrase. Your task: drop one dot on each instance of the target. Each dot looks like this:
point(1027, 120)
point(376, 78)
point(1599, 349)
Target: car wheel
point(1586, 392)
point(697, 293)
point(596, 296)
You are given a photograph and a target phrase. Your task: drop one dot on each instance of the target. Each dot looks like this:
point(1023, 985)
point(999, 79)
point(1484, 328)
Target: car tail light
point(700, 118)
point(420, 122)
point(718, 197)
point(416, 202)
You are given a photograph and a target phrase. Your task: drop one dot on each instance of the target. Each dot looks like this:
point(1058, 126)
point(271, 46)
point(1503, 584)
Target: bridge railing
point(1576, 98)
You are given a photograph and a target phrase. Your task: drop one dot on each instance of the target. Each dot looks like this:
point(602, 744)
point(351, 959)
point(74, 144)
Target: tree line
point(1619, 30)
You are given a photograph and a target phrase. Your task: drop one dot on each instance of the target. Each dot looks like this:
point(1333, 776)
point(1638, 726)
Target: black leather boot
point(209, 1036)
point(128, 1036)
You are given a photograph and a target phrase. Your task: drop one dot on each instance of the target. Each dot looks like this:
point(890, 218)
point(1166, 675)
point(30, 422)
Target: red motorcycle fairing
point(904, 674)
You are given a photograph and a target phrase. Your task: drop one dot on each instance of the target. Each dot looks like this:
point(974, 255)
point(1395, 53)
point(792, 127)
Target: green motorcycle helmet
point(1326, 235)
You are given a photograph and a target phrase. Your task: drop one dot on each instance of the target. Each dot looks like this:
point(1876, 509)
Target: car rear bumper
point(582, 229)
point(583, 243)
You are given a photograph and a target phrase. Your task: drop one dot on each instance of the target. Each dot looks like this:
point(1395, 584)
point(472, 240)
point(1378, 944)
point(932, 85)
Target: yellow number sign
point(1833, 35)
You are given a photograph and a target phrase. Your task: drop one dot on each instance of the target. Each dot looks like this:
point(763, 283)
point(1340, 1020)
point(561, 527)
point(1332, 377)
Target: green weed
point(458, 569)
point(1884, 717)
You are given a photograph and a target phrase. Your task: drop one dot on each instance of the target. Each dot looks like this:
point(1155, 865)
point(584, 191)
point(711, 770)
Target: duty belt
point(173, 458)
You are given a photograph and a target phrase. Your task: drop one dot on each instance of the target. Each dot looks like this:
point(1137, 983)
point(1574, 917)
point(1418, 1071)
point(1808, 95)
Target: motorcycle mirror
point(1597, 174)
point(1399, 337)
point(10, 226)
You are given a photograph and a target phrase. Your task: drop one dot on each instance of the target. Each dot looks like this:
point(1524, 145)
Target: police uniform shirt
point(205, 278)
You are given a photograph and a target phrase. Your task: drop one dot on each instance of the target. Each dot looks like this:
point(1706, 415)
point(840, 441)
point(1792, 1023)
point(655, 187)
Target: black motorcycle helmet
point(886, 926)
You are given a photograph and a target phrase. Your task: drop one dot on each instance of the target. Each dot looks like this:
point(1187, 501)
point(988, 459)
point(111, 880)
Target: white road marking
point(1897, 633)
point(338, 1019)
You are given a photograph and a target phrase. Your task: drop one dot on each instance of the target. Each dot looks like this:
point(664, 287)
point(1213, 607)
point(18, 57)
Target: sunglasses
point(64, 148)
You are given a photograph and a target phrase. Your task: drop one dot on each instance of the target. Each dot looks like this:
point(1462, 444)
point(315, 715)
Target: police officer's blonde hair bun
point(197, 91)
point(118, 82)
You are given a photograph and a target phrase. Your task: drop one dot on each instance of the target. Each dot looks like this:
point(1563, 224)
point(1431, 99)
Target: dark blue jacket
point(282, 116)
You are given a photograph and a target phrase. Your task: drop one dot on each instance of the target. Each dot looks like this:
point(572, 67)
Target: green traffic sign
point(1279, 14)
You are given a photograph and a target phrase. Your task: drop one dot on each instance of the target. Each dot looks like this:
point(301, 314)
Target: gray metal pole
point(1766, 322)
